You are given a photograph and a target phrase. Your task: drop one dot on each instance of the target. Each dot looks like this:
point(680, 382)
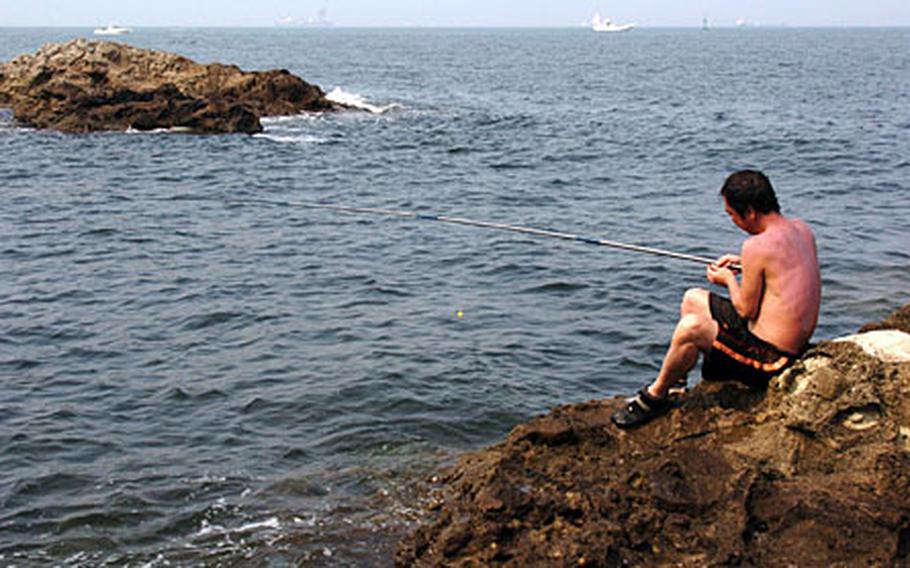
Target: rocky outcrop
point(85, 86)
point(899, 320)
point(814, 471)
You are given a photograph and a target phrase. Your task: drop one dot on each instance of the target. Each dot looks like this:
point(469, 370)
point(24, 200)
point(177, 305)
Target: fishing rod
point(498, 226)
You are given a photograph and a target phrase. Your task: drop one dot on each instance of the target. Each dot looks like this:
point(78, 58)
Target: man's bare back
point(789, 305)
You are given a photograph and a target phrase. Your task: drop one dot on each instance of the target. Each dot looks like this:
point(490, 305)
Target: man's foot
point(641, 409)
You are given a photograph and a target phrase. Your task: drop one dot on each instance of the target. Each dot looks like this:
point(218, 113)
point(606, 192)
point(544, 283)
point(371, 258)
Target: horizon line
point(580, 26)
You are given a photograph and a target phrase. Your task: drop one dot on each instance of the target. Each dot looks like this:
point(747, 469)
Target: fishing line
point(492, 225)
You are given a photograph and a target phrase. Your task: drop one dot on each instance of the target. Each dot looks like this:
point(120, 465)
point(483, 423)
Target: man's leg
point(694, 333)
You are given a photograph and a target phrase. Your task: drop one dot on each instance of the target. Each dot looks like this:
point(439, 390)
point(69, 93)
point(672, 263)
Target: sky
point(519, 13)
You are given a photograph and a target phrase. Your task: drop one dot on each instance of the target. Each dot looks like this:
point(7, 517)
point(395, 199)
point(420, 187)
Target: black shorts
point(736, 353)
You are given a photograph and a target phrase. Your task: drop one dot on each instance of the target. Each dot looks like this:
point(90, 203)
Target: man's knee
point(695, 329)
point(695, 301)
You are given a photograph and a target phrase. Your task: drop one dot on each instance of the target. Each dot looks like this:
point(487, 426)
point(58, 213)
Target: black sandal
point(678, 388)
point(641, 409)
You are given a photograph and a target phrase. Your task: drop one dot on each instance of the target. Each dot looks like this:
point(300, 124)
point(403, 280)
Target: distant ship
point(599, 24)
point(113, 30)
point(321, 20)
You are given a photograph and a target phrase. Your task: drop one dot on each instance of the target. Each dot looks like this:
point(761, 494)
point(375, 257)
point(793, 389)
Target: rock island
point(87, 86)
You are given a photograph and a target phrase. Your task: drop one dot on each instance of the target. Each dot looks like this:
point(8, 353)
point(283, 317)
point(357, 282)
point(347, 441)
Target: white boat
point(599, 24)
point(112, 30)
point(321, 20)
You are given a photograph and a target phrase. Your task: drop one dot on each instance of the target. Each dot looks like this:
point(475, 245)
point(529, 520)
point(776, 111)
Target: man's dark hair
point(750, 189)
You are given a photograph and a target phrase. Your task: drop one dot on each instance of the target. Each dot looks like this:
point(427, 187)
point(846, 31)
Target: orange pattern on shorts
point(771, 367)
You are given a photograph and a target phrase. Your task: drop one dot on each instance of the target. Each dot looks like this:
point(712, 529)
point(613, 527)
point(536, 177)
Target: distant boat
point(113, 30)
point(321, 20)
point(599, 24)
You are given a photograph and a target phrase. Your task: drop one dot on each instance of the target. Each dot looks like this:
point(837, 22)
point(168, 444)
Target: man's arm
point(745, 295)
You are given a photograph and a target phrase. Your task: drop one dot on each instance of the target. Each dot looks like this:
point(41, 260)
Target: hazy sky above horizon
point(453, 12)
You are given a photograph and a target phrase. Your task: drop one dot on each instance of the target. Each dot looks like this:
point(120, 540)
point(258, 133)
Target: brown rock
point(899, 320)
point(812, 472)
point(84, 86)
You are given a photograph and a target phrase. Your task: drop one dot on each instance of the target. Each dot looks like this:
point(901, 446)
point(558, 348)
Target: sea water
point(191, 376)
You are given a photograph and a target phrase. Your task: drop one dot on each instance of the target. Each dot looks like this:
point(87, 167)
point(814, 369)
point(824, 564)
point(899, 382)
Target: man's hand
point(727, 260)
point(723, 269)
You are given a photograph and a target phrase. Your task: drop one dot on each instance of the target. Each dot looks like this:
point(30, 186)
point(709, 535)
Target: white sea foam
point(159, 560)
point(272, 523)
point(291, 138)
point(309, 523)
point(342, 97)
point(300, 117)
point(169, 130)
point(208, 529)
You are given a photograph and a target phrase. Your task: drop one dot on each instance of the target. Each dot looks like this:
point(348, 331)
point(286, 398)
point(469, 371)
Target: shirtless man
point(771, 313)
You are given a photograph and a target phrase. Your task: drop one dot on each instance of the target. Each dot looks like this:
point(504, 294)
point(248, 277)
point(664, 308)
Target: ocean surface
point(195, 370)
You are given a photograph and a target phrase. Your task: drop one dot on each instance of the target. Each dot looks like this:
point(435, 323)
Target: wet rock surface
point(814, 471)
point(85, 86)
